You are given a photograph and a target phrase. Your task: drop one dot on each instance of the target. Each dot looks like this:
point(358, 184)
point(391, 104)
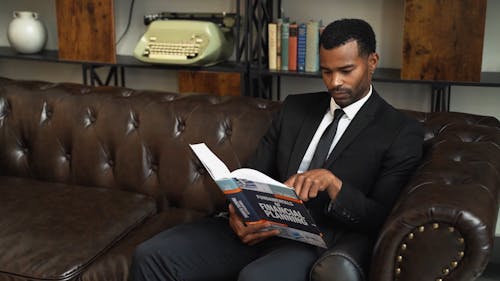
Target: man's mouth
point(340, 93)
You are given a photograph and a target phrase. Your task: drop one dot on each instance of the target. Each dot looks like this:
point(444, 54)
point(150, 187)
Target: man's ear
point(372, 62)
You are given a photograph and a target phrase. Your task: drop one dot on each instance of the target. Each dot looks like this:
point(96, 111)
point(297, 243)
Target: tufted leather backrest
point(120, 138)
point(459, 140)
point(138, 140)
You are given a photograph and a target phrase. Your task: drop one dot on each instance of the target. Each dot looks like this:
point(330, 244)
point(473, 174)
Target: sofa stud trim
point(406, 243)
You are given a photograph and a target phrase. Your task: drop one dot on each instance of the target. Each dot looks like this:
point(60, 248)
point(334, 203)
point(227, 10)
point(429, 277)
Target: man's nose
point(335, 80)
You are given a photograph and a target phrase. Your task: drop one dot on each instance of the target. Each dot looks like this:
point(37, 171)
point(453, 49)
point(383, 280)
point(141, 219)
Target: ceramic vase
point(26, 34)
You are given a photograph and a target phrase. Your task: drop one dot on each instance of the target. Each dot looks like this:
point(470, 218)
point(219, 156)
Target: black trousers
point(209, 250)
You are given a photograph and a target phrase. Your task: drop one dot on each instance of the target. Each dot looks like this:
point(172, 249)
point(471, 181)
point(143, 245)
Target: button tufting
point(4, 108)
point(90, 117)
point(126, 93)
point(134, 120)
point(85, 90)
point(169, 98)
point(457, 158)
point(429, 136)
point(181, 125)
point(46, 113)
point(214, 100)
point(154, 168)
point(198, 167)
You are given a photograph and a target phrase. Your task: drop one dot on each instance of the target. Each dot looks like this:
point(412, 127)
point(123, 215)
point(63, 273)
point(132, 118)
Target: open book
point(259, 198)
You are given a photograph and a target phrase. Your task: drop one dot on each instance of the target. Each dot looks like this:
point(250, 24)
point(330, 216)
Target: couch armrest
point(344, 261)
point(443, 224)
point(435, 231)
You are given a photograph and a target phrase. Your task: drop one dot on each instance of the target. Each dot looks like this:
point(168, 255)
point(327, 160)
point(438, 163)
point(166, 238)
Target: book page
point(254, 175)
point(215, 167)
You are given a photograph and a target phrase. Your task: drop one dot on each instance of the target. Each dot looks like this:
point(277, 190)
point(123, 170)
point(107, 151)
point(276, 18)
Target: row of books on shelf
point(294, 46)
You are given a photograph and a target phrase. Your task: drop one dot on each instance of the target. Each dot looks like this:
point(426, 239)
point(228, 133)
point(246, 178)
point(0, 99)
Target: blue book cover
point(284, 45)
point(301, 47)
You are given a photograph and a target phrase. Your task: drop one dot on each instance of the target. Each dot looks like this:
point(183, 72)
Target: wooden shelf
point(257, 80)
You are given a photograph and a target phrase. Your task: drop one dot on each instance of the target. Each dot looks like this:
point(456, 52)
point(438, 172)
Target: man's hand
point(249, 234)
point(307, 185)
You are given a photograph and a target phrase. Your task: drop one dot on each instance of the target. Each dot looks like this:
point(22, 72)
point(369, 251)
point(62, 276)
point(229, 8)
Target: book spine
point(312, 46)
point(292, 47)
point(271, 41)
point(301, 47)
point(279, 24)
point(285, 33)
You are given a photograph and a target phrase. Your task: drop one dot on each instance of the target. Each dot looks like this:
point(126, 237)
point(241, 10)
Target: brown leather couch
point(88, 173)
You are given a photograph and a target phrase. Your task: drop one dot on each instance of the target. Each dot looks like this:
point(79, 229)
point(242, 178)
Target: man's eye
point(346, 71)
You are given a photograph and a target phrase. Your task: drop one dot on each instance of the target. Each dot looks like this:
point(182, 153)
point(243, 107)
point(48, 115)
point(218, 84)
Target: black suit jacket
point(374, 158)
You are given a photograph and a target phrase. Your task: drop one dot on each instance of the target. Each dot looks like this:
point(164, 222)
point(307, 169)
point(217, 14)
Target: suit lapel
point(362, 119)
point(306, 133)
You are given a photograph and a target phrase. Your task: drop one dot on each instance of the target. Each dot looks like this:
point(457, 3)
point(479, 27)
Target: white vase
point(26, 34)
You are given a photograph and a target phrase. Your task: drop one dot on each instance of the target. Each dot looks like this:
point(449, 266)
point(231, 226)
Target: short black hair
point(342, 31)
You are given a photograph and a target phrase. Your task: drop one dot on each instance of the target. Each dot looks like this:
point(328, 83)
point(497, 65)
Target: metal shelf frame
point(267, 84)
point(251, 61)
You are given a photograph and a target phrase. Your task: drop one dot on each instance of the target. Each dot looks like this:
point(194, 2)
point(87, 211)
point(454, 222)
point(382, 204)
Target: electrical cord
point(128, 23)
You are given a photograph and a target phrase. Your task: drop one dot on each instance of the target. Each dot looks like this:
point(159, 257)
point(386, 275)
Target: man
point(349, 183)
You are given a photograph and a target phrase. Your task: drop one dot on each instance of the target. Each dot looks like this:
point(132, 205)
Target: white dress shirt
point(350, 111)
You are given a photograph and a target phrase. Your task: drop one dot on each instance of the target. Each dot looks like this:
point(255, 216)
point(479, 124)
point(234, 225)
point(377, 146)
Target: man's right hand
point(249, 234)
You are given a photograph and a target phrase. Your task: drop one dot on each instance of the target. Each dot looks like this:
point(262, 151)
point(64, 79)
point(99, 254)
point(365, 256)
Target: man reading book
point(346, 152)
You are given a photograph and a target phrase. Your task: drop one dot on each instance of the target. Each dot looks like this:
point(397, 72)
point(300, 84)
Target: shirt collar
point(352, 109)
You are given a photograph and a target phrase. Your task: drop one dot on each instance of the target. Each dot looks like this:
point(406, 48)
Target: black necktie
point(325, 142)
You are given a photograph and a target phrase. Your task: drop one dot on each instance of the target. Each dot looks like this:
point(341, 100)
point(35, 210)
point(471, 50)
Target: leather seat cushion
point(54, 231)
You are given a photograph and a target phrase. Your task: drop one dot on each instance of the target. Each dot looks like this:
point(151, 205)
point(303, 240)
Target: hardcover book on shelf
point(259, 198)
point(279, 24)
point(284, 45)
point(292, 47)
point(272, 45)
point(301, 47)
point(312, 46)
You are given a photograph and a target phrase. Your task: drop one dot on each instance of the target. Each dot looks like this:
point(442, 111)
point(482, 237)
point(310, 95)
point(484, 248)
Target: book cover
point(271, 42)
point(301, 47)
point(292, 47)
point(259, 198)
point(312, 46)
point(279, 24)
point(285, 32)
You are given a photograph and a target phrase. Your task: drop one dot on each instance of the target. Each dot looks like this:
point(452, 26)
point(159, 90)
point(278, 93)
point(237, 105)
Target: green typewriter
point(185, 41)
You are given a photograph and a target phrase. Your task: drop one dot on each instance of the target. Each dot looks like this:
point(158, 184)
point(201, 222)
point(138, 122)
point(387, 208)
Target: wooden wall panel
point(443, 39)
point(86, 30)
point(218, 83)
